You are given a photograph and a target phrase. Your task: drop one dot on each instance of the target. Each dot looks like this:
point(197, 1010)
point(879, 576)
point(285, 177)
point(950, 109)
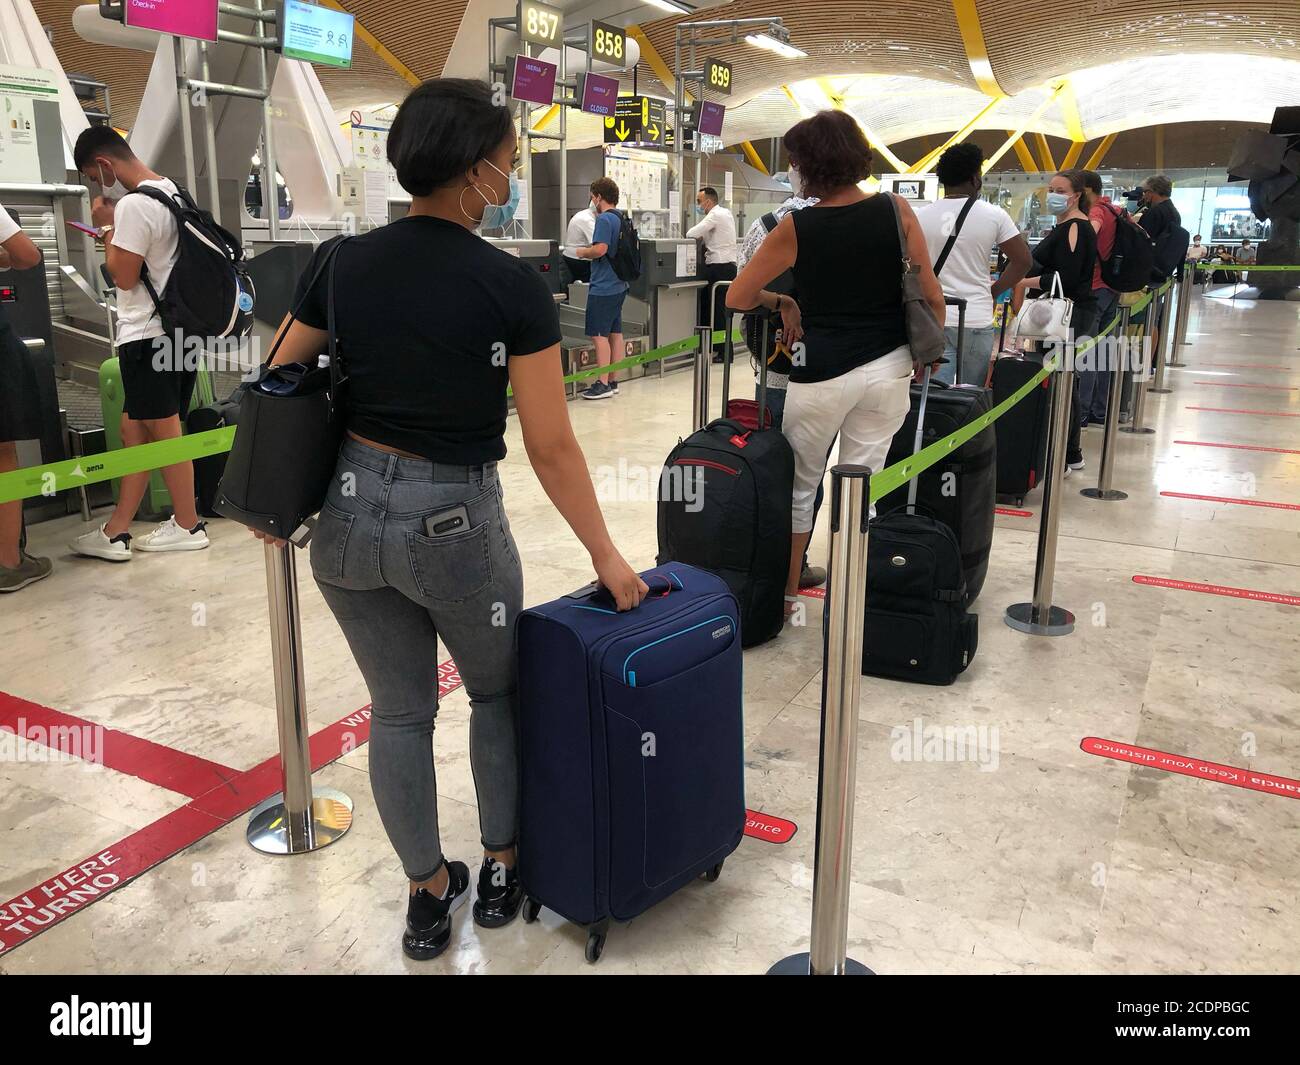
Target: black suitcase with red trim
point(724, 506)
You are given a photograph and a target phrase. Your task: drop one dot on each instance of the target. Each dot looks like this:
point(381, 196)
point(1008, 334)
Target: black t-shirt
point(427, 313)
point(849, 275)
point(1053, 256)
point(1159, 217)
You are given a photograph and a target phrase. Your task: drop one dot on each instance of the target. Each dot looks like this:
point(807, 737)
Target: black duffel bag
point(291, 423)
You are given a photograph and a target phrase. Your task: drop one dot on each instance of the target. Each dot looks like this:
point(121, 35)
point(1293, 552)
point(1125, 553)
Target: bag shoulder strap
point(325, 264)
point(902, 237)
point(956, 232)
point(770, 221)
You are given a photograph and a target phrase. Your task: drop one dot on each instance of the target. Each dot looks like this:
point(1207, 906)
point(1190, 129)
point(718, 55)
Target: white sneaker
point(171, 537)
point(96, 544)
point(1076, 466)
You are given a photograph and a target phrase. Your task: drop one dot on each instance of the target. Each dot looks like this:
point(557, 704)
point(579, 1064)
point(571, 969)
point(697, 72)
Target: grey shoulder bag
point(924, 332)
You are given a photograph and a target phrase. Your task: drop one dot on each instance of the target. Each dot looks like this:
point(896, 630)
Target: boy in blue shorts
point(608, 290)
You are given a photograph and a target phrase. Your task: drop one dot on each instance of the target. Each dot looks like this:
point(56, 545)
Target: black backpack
point(626, 259)
point(1170, 253)
point(724, 506)
point(916, 626)
point(1128, 269)
point(209, 293)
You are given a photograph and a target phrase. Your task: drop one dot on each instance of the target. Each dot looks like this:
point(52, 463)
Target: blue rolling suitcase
point(631, 745)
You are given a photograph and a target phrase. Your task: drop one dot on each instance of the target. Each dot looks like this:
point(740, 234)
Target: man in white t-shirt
point(717, 229)
point(581, 232)
point(964, 272)
point(140, 248)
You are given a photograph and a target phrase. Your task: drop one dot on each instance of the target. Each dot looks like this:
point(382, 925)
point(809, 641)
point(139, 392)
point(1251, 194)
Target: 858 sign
point(608, 43)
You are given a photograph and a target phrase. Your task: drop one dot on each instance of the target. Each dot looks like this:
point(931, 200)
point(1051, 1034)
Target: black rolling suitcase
point(1022, 430)
point(961, 490)
point(208, 470)
point(724, 506)
point(916, 626)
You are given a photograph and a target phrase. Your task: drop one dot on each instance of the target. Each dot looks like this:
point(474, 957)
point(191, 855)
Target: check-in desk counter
point(669, 285)
point(543, 255)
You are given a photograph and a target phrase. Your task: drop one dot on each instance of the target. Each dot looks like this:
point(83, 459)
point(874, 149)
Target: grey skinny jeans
point(394, 590)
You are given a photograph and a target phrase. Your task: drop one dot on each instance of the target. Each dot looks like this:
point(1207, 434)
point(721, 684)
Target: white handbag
point(1048, 317)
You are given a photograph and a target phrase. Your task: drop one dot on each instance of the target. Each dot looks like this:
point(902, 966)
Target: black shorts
point(20, 408)
point(152, 393)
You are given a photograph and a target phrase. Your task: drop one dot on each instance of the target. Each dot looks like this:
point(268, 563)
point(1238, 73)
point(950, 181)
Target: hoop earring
point(460, 202)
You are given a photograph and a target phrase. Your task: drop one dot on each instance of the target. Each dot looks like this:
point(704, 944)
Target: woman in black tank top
point(852, 367)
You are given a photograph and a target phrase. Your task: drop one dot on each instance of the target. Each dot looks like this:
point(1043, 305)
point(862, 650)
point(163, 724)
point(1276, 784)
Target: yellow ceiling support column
point(1046, 162)
point(1017, 141)
point(546, 119)
point(977, 53)
point(751, 153)
point(956, 138)
point(401, 68)
point(837, 103)
point(1070, 112)
point(1015, 137)
point(1072, 156)
point(1095, 159)
point(651, 57)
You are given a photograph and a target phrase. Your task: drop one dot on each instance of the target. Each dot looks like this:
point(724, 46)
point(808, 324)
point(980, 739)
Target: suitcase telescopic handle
point(594, 590)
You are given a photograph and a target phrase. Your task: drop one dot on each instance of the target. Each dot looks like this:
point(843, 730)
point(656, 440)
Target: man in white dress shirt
point(717, 229)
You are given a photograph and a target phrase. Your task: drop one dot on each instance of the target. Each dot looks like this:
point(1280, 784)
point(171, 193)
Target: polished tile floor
point(1033, 857)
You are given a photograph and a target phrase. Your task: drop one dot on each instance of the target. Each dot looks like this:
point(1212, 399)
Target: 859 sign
point(717, 76)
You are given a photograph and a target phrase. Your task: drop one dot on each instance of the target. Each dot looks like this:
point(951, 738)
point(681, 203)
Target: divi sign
point(182, 18)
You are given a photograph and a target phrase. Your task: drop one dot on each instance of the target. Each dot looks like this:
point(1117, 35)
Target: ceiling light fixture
point(670, 5)
point(776, 39)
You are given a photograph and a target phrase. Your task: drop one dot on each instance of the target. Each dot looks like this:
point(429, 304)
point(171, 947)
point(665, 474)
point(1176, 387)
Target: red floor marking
point(1192, 767)
point(168, 768)
point(769, 827)
point(1234, 410)
point(1011, 513)
point(26, 916)
point(813, 593)
point(1232, 499)
point(1267, 388)
point(1241, 447)
point(1218, 589)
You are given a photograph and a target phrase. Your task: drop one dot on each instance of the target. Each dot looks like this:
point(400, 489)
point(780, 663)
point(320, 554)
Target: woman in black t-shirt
point(413, 545)
point(1069, 252)
point(851, 364)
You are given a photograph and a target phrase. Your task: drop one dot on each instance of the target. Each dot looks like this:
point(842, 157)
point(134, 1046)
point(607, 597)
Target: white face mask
point(796, 181)
point(115, 191)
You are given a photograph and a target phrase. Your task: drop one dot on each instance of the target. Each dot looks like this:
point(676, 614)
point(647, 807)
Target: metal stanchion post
point(1162, 342)
point(728, 348)
point(1040, 617)
point(1184, 313)
point(301, 818)
point(837, 768)
point(703, 359)
point(1103, 489)
point(1140, 383)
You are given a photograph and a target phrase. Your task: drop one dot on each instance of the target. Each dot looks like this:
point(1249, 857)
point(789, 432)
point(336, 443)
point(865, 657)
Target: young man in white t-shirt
point(965, 271)
point(140, 241)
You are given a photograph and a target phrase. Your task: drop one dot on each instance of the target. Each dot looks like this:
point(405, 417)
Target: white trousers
point(865, 406)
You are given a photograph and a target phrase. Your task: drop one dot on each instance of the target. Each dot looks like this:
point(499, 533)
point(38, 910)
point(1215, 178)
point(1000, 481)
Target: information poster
point(641, 176)
point(316, 34)
point(181, 18)
point(20, 88)
point(369, 136)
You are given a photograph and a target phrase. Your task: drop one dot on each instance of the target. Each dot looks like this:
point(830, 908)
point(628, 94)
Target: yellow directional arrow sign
point(622, 131)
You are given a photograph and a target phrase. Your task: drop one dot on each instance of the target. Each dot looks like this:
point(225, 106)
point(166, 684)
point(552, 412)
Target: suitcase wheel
point(595, 946)
point(711, 875)
point(531, 909)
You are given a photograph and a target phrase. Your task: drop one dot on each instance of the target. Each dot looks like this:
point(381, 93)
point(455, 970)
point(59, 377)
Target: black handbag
point(290, 428)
